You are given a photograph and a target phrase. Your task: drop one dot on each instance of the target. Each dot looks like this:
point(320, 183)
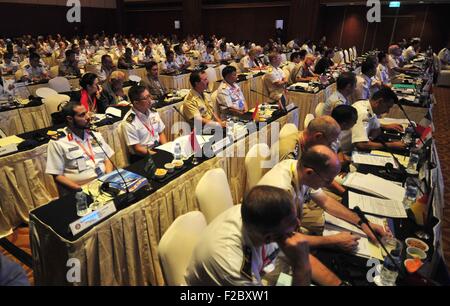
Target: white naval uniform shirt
point(230, 96)
point(331, 103)
point(220, 256)
point(362, 90)
point(276, 75)
point(67, 157)
point(207, 58)
point(246, 63)
point(181, 60)
point(367, 121)
point(383, 74)
point(222, 56)
point(138, 128)
point(31, 72)
point(170, 66)
point(409, 53)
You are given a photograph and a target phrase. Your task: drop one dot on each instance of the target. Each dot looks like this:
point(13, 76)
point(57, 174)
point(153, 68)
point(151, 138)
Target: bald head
point(318, 167)
point(322, 131)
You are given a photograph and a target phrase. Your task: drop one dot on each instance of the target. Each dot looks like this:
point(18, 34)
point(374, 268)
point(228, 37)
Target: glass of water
point(410, 195)
point(413, 163)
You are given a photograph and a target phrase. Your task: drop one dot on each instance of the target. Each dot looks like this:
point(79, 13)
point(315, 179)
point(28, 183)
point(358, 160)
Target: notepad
point(366, 249)
point(10, 140)
point(344, 225)
point(404, 160)
point(377, 206)
point(375, 185)
point(372, 159)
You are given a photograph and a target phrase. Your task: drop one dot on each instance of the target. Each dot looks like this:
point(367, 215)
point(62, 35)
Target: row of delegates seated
point(197, 106)
point(253, 243)
point(230, 97)
point(207, 57)
point(77, 158)
point(152, 81)
point(143, 127)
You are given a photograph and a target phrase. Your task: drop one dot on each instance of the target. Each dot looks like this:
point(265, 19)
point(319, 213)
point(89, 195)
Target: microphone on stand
point(410, 122)
point(280, 105)
point(128, 197)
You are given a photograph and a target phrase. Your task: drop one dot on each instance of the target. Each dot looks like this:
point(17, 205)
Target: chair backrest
point(264, 86)
point(219, 72)
point(319, 109)
point(54, 71)
point(355, 52)
point(283, 58)
point(177, 245)
point(253, 164)
point(308, 119)
point(213, 194)
point(2, 134)
point(287, 72)
point(288, 129)
point(350, 51)
point(18, 75)
point(53, 102)
point(60, 84)
point(236, 65)
point(346, 57)
point(212, 78)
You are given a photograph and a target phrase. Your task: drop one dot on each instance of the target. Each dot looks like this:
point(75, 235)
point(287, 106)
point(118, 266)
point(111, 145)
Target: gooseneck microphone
point(128, 197)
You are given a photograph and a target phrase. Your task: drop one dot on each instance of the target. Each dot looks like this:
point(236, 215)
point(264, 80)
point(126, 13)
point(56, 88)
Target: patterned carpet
point(442, 122)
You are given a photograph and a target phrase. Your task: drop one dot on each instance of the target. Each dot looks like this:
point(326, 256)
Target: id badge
point(81, 162)
point(99, 171)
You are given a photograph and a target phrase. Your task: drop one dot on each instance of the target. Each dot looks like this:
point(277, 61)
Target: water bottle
point(408, 138)
point(411, 193)
point(82, 206)
point(389, 272)
point(413, 163)
point(177, 151)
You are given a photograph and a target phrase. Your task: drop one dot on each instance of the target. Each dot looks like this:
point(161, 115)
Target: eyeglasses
point(327, 181)
point(147, 98)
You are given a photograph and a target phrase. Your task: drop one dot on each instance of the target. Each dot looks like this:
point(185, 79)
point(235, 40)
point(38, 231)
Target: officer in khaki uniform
point(197, 104)
point(321, 131)
point(303, 179)
point(77, 158)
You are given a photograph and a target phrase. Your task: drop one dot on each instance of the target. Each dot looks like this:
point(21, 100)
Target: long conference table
point(122, 250)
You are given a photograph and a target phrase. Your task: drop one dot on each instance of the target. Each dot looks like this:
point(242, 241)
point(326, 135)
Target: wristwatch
point(360, 222)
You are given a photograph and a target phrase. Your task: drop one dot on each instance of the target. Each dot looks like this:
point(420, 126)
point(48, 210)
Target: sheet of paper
point(377, 206)
point(404, 160)
point(10, 140)
point(365, 249)
point(375, 185)
point(185, 144)
point(329, 219)
point(373, 160)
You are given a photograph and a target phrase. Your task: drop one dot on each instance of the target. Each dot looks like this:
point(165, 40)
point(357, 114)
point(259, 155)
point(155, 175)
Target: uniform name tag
point(81, 162)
